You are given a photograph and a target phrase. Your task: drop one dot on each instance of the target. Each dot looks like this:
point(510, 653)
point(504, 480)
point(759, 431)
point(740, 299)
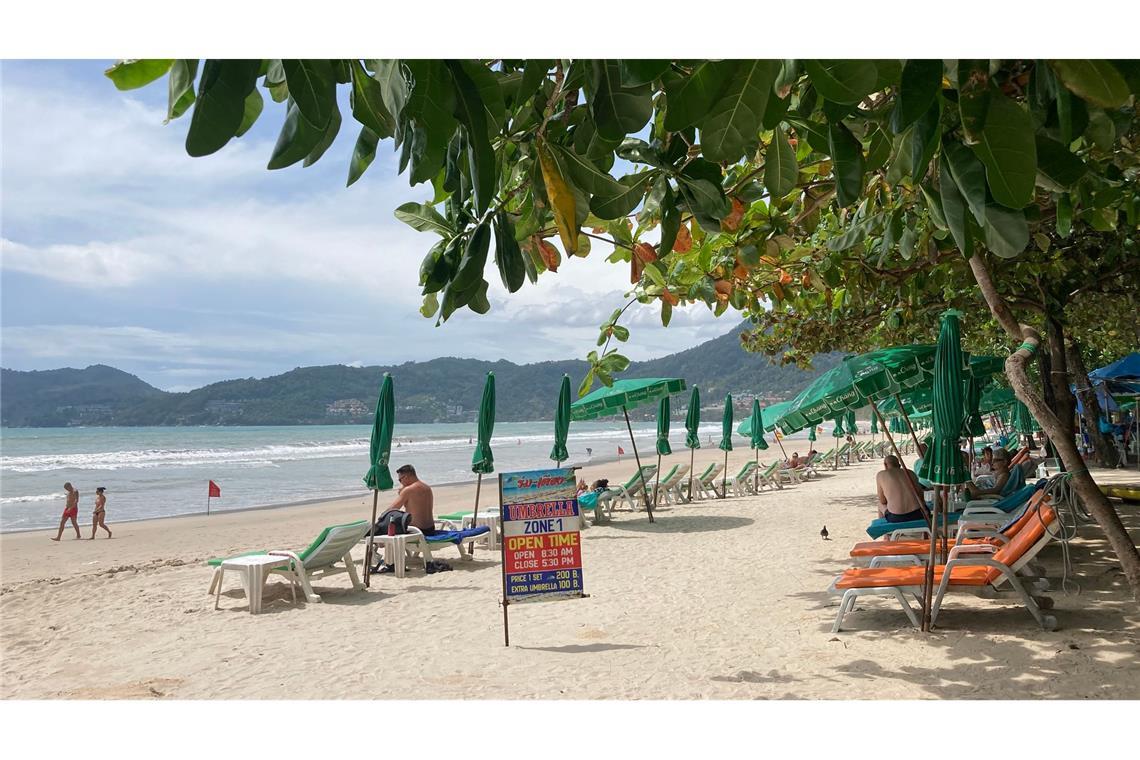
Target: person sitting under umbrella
point(898, 501)
point(1000, 476)
point(795, 462)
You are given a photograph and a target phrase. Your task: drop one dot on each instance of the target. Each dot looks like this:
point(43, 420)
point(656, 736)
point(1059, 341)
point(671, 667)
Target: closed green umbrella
point(837, 433)
point(692, 438)
point(973, 426)
point(378, 477)
point(483, 461)
point(756, 439)
point(849, 424)
point(942, 463)
point(562, 423)
point(726, 441)
point(874, 424)
point(811, 433)
point(622, 396)
point(663, 448)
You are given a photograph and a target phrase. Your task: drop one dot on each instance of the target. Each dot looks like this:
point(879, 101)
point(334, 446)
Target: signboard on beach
point(542, 543)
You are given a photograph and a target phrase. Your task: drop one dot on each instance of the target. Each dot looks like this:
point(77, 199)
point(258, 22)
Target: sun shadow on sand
point(751, 676)
point(683, 524)
point(584, 648)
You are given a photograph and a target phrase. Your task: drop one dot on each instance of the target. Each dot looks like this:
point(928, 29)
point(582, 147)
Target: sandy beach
point(721, 599)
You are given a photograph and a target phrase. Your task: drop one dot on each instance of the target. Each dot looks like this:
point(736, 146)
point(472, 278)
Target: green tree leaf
point(969, 176)
point(625, 201)
point(617, 110)
point(490, 92)
point(253, 105)
point(639, 71)
point(181, 87)
point(480, 156)
point(780, 169)
point(1009, 153)
point(474, 259)
point(508, 254)
point(923, 140)
point(132, 74)
point(585, 174)
point(848, 156)
point(955, 210)
point(424, 218)
point(974, 95)
point(688, 99)
point(921, 83)
point(1096, 81)
point(1006, 232)
point(842, 81)
point(731, 127)
point(327, 136)
point(312, 86)
point(389, 73)
point(296, 140)
point(362, 155)
point(430, 305)
point(368, 103)
point(220, 104)
point(1057, 168)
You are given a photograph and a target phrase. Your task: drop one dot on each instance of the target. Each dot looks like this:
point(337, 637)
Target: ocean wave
point(30, 499)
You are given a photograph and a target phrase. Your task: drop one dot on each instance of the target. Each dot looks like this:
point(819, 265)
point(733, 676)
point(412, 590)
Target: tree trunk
point(1091, 415)
point(1061, 396)
point(1082, 481)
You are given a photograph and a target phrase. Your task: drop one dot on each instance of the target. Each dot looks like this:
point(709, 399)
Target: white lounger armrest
point(961, 549)
point(904, 533)
point(894, 559)
point(980, 510)
point(980, 530)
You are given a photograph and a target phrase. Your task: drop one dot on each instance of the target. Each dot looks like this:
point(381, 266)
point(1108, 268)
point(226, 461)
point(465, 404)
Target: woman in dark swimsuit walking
point(98, 519)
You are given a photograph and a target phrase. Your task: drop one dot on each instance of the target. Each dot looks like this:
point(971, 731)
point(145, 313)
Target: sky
point(119, 249)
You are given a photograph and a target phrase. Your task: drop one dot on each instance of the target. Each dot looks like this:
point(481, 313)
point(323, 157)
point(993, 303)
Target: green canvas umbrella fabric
point(874, 423)
point(483, 461)
point(726, 425)
point(973, 426)
point(943, 463)
point(663, 447)
point(837, 431)
point(693, 420)
point(849, 423)
point(378, 476)
point(626, 394)
point(756, 433)
point(768, 416)
point(811, 433)
point(562, 422)
point(1023, 420)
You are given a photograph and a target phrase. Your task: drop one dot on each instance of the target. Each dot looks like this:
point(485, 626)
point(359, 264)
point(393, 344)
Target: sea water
point(164, 471)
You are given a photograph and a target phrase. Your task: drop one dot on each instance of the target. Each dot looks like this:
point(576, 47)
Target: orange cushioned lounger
point(978, 568)
point(871, 549)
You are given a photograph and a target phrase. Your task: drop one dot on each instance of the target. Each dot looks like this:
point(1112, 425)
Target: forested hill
point(440, 390)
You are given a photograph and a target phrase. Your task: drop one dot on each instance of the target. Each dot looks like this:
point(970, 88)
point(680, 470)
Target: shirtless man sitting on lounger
point(1000, 476)
point(898, 501)
point(416, 499)
point(795, 462)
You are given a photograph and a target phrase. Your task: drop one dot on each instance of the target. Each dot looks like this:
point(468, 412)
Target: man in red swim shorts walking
point(70, 512)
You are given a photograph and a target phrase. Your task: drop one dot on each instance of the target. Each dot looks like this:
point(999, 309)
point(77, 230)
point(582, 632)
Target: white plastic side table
point(396, 549)
point(253, 571)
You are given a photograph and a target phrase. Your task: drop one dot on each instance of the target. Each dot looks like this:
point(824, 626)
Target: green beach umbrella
point(663, 448)
point(692, 424)
point(874, 424)
point(483, 461)
point(973, 426)
point(725, 440)
point(942, 464)
point(811, 433)
point(379, 477)
point(849, 423)
point(756, 439)
point(837, 431)
point(1023, 421)
point(622, 396)
point(562, 423)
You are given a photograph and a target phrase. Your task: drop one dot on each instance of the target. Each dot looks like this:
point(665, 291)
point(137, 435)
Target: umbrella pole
point(637, 458)
point(371, 528)
point(657, 481)
point(909, 426)
point(475, 514)
point(724, 477)
point(782, 448)
point(756, 473)
point(692, 456)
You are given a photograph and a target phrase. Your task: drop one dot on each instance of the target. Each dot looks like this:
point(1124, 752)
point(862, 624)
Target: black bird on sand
point(823, 533)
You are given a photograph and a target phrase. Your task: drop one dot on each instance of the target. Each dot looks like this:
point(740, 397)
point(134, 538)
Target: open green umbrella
point(379, 477)
point(725, 441)
point(942, 463)
point(622, 396)
point(692, 425)
point(483, 461)
point(663, 448)
point(756, 439)
point(562, 423)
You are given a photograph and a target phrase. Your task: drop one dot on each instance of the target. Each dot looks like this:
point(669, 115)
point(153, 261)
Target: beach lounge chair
point(1006, 505)
point(669, 486)
point(785, 474)
point(808, 466)
point(1015, 482)
point(705, 483)
point(628, 491)
point(981, 569)
point(741, 482)
point(770, 476)
point(320, 559)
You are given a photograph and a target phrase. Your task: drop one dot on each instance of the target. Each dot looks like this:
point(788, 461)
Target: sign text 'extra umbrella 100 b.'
point(622, 396)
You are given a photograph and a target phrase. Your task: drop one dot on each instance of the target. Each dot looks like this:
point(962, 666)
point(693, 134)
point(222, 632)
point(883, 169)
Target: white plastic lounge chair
point(741, 482)
point(669, 487)
point(627, 493)
point(320, 559)
point(705, 485)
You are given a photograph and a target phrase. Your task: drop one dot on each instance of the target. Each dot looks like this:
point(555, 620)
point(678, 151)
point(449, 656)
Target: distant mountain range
point(440, 390)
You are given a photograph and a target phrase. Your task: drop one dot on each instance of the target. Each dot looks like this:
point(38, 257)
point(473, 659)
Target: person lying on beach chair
point(795, 462)
point(1001, 476)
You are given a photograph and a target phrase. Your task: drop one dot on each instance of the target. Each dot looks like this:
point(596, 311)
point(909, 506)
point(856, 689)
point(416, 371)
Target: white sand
point(721, 599)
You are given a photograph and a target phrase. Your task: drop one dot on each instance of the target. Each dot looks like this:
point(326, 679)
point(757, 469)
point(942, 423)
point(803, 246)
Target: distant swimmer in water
point(519, 442)
point(470, 439)
point(589, 453)
point(99, 517)
point(70, 511)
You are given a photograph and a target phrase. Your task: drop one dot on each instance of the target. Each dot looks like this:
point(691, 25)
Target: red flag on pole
point(620, 451)
point(215, 490)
